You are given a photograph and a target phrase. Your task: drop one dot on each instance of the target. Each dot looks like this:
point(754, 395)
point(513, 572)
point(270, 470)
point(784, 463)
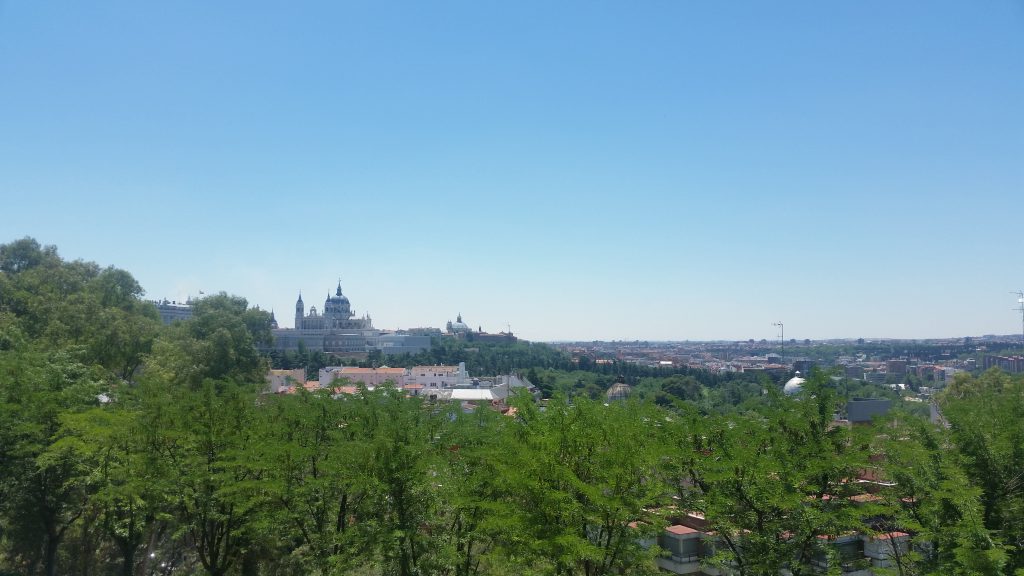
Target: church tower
point(300, 309)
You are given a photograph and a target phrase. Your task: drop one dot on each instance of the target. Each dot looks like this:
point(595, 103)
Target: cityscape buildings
point(336, 329)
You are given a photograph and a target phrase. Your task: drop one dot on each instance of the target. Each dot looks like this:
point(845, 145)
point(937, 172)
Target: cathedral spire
point(338, 293)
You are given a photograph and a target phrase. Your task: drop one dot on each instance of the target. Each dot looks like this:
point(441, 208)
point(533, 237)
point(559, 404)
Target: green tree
point(218, 342)
point(586, 472)
point(309, 455)
point(71, 333)
point(933, 499)
point(213, 449)
point(986, 418)
point(44, 491)
point(773, 484)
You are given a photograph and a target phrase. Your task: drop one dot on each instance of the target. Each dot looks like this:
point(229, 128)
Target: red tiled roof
point(680, 529)
point(891, 535)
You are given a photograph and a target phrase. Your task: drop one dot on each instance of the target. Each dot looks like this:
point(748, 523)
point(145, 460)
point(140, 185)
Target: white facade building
point(439, 377)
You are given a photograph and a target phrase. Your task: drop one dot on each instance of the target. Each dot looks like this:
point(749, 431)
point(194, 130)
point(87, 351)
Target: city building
point(173, 311)
point(397, 343)
point(804, 366)
point(439, 377)
point(279, 381)
point(896, 367)
point(335, 329)
point(369, 377)
point(1009, 364)
point(864, 410)
point(462, 331)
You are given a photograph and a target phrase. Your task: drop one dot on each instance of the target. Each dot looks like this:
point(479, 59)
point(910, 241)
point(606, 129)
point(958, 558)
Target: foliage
point(128, 447)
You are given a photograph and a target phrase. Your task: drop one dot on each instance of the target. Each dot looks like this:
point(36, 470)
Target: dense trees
point(131, 448)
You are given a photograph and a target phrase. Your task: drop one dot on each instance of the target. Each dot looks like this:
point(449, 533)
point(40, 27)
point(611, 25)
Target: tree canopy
point(128, 447)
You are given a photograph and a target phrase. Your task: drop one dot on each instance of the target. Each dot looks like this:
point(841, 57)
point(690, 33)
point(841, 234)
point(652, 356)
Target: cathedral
point(337, 315)
point(337, 330)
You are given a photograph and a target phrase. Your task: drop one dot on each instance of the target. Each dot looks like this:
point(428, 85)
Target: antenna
point(782, 338)
point(1020, 308)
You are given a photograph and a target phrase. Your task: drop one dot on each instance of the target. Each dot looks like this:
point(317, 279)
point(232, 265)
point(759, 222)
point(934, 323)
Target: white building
point(439, 377)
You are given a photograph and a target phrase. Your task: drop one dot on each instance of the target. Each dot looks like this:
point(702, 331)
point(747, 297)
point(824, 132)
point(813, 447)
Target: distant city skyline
point(579, 171)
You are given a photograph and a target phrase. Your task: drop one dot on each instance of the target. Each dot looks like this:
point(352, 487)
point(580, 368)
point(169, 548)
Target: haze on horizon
point(579, 171)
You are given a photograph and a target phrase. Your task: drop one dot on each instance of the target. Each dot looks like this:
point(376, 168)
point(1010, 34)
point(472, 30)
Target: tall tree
point(986, 418)
point(933, 499)
point(586, 472)
point(774, 485)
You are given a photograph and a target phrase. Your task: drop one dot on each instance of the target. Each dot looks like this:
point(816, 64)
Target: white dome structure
point(794, 385)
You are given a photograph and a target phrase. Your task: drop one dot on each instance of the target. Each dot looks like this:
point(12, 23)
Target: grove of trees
point(128, 447)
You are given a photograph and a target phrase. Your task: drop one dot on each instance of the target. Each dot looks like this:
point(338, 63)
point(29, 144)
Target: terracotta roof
point(680, 529)
point(890, 535)
point(345, 390)
point(414, 386)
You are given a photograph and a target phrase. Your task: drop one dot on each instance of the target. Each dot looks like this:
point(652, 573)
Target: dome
point(338, 296)
point(794, 385)
point(619, 391)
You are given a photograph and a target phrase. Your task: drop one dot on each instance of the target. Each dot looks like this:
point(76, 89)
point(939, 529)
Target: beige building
point(369, 377)
point(279, 381)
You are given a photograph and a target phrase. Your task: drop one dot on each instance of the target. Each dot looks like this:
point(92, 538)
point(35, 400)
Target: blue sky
point(578, 170)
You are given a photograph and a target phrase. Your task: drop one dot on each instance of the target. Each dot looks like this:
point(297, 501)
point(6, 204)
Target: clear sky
point(578, 170)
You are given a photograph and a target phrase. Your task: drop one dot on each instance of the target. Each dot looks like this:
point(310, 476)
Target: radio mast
point(782, 337)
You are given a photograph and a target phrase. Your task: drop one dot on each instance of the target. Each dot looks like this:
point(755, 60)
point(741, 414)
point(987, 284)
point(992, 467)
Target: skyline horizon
point(287, 320)
point(657, 170)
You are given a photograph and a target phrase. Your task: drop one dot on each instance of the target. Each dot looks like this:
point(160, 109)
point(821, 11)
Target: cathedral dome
point(338, 296)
